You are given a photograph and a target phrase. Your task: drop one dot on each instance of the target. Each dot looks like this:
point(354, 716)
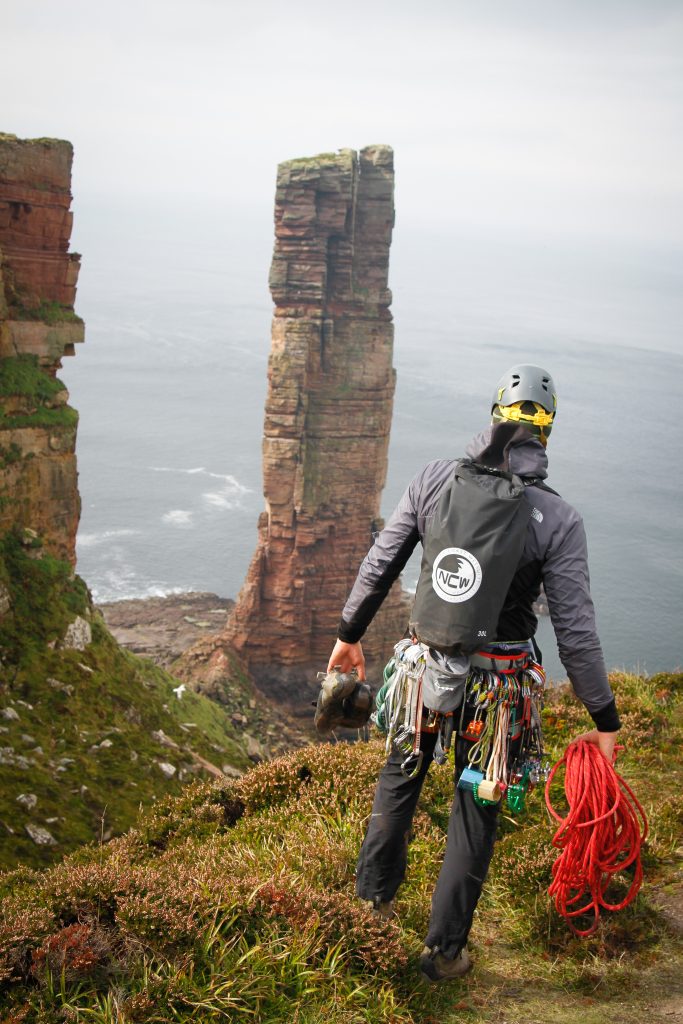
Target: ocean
point(171, 382)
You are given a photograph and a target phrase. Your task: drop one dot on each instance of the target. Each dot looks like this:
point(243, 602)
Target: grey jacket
point(555, 554)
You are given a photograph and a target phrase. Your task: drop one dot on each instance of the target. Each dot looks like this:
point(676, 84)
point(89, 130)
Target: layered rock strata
point(38, 326)
point(327, 417)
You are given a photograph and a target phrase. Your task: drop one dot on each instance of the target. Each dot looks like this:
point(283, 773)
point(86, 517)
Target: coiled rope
point(600, 837)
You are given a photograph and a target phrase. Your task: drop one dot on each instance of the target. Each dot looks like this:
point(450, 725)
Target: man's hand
point(346, 657)
point(605, 741)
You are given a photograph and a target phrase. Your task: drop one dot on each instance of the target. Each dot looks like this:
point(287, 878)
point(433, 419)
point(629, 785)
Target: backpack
point(471, 549)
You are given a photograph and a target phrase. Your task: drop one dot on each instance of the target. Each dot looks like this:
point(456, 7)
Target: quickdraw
point(502, 708)
point(400, 710)
point(401, 713)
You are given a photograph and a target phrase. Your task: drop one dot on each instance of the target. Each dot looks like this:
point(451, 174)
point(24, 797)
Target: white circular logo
point(456, 575)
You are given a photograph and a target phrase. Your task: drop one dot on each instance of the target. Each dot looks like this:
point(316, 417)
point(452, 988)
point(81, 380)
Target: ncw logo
point(456, 575)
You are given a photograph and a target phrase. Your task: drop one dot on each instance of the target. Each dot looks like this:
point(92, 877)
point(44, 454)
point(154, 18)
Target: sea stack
point(327, 417)
point(38, 326)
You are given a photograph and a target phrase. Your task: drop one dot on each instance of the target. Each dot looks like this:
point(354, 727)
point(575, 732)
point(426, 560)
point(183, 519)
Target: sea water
point(171, 383)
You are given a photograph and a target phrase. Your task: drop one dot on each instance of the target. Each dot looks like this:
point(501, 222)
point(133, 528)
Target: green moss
point(21, 375)
point(46, 312)
point(64, 417)
point(313, 161)
point(11, 454)
point(45, 593)
point(47, 141)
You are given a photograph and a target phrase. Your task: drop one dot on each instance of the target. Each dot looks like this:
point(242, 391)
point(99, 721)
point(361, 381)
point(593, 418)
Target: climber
point(554, 554)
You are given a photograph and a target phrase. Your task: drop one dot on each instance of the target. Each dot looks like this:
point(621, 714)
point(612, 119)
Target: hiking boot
point(437, 967)
point(383, 911)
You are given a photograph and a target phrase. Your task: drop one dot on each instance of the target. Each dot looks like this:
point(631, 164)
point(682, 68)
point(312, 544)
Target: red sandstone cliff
point(38, 274)
point(327, 418)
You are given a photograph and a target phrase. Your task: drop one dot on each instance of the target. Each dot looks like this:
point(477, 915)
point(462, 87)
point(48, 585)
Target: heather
point(235, 901)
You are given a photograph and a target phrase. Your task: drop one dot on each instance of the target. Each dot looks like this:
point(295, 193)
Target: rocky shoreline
point(163, 628)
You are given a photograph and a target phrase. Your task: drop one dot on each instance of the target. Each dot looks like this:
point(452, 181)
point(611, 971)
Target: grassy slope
point(235, 902)
point(68, 702)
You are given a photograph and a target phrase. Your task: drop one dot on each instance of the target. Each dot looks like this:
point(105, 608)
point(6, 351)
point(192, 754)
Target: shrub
point(77, 951)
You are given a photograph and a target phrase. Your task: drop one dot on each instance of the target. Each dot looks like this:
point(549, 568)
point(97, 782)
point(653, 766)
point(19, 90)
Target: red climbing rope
point(599, 837)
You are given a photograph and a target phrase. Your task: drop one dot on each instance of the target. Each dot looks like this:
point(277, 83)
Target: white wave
point(229, 479)
point(105, 593)
point(217, 500)
point(121, 582)
point(228, 497)
point(115, 584)
point(90, 540)
point(156, 590)
point(177, 517)
point(232, 481)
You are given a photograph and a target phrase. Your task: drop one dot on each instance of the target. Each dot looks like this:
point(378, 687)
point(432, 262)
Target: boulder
point(40, 835)
point(78, 635)
point(160, 736)
point(255, 750)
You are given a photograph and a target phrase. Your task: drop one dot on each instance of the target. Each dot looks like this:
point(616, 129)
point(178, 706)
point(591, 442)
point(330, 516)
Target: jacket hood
point(526, 455)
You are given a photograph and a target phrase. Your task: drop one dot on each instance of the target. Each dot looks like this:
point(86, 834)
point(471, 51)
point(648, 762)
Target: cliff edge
point(38, 326)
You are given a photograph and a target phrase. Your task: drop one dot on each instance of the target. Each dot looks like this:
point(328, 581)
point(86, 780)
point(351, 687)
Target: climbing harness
point(499, 716)
point(600, 836)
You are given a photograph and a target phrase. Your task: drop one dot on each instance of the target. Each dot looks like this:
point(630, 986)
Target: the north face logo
point(537, 515)
point(456, 575)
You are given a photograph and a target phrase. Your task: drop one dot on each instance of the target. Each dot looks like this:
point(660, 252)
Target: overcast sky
point(537, 114)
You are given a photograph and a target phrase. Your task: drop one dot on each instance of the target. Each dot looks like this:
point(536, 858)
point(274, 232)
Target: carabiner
point(409, 770)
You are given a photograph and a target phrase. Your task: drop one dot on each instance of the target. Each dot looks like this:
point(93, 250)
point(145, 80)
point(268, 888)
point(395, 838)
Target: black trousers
point(469, 847)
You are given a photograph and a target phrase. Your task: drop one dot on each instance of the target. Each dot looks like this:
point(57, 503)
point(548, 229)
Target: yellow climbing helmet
point(526, 395)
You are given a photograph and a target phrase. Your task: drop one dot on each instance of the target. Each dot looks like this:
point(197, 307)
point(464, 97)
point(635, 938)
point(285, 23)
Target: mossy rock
point(22, 375)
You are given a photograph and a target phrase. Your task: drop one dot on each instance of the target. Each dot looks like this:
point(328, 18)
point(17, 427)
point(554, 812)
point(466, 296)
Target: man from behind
point(554, 554)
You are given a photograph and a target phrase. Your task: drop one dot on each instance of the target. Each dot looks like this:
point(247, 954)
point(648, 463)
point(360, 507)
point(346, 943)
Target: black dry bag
point(472, 547)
